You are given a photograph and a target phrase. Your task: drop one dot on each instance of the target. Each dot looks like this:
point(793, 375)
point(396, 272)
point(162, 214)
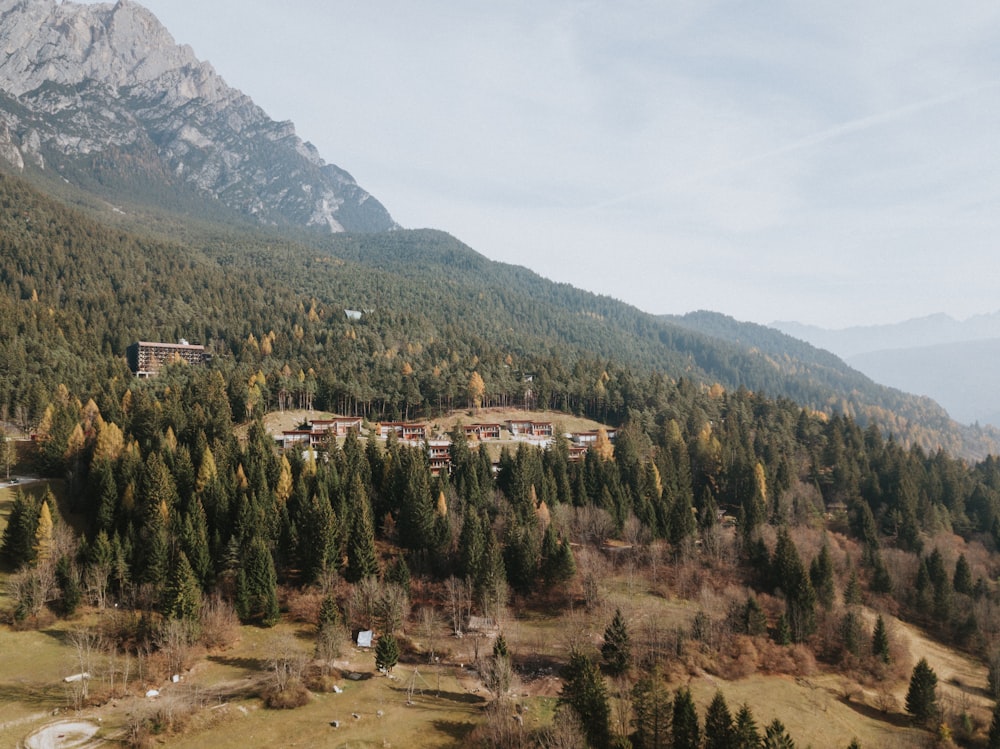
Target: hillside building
point(146, 358)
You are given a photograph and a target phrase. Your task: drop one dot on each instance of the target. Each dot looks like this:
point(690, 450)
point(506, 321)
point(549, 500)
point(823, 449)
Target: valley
point(290, 474)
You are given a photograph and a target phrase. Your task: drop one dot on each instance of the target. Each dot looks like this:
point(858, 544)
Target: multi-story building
point(145, 358)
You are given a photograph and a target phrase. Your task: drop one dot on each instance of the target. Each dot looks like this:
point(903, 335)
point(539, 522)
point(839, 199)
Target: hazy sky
point(834, 163)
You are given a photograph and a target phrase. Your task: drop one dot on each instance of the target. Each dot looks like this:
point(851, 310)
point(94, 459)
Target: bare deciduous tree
point(429, 630)
point(174, 639)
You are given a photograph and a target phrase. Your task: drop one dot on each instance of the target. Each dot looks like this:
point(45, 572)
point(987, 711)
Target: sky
point(833, 163)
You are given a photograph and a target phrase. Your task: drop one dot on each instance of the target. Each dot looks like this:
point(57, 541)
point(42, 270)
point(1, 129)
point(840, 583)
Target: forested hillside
point(436, 311)
point(790, 519)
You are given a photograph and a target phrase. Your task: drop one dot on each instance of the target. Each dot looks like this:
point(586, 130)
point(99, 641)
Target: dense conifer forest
point(172, 507)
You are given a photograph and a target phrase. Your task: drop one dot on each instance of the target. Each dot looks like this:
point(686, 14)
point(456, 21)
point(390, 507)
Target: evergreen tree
point(653, 709)
point(559, 566)
point(821, 577)
point(921, 697)
point(747, 736)
point(880, 641)
point(471, 544)
point(683, 524)
point(19, 535)
point(850, 633)
point(754, 619)
point(386, 653)
point(720, 731)
point(790, 576)
point(776, 737)
point(852, 591)
point(362, 560)
point(500, 649)
point(256, 586)
point(684, 723)
point(584, 691)
point(317, 530)
point(881, 579)
point(194, 541)
point(993, 738)
point(183, 595)
point(68, 580)
point(617, 647)
point(962, 581)
point(329, 613)
point(153, 545)
point(399, 573)
point(783, 632)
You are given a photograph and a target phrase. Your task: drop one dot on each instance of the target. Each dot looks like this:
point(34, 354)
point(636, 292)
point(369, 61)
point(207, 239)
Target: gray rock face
point(103, 94)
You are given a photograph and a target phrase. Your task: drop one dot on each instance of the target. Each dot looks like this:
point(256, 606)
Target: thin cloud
point(850, 127)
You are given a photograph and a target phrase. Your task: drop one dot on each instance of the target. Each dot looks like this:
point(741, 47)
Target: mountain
point(955, 362)
point(961, 376)
point(915, 333)
point(101, 96)
point(100, 106)
point(907, 412)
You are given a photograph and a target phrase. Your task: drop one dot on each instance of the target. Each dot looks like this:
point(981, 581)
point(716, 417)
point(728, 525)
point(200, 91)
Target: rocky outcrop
point(103, 93)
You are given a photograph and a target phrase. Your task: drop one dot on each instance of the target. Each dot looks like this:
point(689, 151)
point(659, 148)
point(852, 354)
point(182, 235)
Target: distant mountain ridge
point(102, 95)
point(955, 362)
point(921, 331)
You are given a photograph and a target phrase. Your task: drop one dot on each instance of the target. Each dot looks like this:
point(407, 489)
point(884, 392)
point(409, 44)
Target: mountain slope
point(961, 376)
point(854, 392)
point(922, 331)
point(955, 362)
point(102, 96)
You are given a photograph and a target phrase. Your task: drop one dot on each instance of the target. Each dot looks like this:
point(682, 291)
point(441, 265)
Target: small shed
point(484, 624)
point(365, 638)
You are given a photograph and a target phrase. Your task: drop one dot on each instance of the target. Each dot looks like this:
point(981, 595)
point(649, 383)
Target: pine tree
point(399, 573)
point(790, 576)
point(500, 649)
point(362, 560)
point(386, 653)
point(471, 545)
point(776, 737)
point(783, 632)
point(19, 535)
point(720, 731)
point(68, 580)
point(584, 691)
point(993, 738)
point(880, 641)
point(329, 613)
point(821, 577)
point(851, 633)
point(921, 697)
point(684, 723)
point(852, 591)
point(754, 618)
point(256, 586)
point(316, 525)
point(617, 647)
point(747, 736)
point(683, 524)
point(653, 709)
point(183, 595)
point(962, 581)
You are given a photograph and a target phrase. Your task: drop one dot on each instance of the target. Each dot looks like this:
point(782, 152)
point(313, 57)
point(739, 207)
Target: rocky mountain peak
point(108, 80)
